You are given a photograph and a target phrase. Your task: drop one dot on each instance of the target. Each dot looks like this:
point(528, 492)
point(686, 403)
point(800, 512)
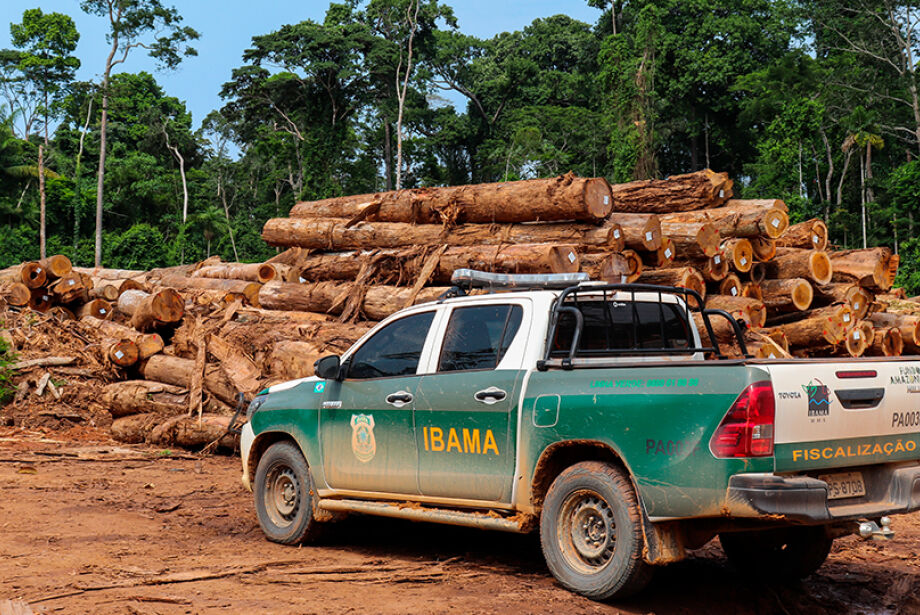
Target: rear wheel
point(591, 532)
point(781, 553)
point(283, 492)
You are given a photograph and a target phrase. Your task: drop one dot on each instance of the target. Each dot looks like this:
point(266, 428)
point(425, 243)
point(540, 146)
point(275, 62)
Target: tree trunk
point(16, 294)
point(908, 325)
point(699, 190)
point(250, 290)
point(791, 294)
point(193, 432)
point(230, 271)
point(560, 198)
point(737, 219)
point(327, 297)
point(683, 277)
point(758, 272)
point(764, 248)
point(663, 256)
point(811, 234)
point(293, 359)
point(68, 288)
point(178, 372)
point(134, 397)
point(714, 268)
point(887, 342)
point(871, 267)
point(151, 310)
point(739, 253)
point(858, 298)
point(753, 311)
point(133, 429)
point(616, 268)
point(106, 292)
point(798, 263)
point(333, 235)
point(41, 193)
point(752, 290)
point(41, 300)
point(859, 338)
point(692, 240)
point(817, 327)
point(640, 231)
point(730, 287)
point(123, 353)
point(97, 308)
point(103, 136)
point(148, 344)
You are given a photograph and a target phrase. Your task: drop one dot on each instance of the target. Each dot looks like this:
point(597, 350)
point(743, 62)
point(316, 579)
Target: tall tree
point(132, 24)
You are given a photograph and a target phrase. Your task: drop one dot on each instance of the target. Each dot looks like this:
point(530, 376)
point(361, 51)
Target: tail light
point(747, 429)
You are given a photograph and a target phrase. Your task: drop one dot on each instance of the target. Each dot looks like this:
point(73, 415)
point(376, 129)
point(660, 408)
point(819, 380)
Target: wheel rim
point(586, 531)
point(282, 495)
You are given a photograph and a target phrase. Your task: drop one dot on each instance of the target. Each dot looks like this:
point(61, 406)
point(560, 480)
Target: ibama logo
point(819, 398)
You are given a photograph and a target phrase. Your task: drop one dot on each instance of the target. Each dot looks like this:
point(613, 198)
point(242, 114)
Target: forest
point(812, 101)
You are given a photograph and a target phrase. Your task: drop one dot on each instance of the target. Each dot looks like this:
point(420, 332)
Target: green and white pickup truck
point(586, 411)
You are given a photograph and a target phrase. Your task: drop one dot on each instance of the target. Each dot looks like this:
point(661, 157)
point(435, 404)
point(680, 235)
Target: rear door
point(833, 415)
point(466, 411)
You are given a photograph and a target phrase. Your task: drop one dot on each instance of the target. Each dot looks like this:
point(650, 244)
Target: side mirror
point(327, 368)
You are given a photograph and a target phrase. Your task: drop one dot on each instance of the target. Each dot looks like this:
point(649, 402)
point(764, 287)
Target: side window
point(478, 337)
point(394, 350)
point(619, 326)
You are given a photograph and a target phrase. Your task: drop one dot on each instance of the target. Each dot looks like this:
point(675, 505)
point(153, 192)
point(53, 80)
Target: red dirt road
point(92, 527)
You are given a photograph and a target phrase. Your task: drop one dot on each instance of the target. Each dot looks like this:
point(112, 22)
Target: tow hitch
point(870, 530)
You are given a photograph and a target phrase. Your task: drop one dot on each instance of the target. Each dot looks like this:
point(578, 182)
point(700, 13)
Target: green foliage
point(140, 247)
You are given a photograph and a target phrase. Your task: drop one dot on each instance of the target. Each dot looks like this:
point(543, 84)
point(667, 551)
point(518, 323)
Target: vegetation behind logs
point(814, 107)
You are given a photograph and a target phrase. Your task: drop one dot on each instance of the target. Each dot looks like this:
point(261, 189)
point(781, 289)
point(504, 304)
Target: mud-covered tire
point(283, 492)
point(591, 532)
point(783, 553)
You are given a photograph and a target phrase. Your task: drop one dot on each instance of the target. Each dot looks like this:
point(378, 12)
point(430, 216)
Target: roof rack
point(470, 278)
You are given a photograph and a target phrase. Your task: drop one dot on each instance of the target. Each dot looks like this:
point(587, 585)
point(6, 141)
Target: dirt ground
point(88, 526)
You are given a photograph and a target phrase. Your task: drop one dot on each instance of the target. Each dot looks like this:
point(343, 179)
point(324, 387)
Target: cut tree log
point(240, 369)
point(275, 272)
point(32, 275)
point(41, 300)
point(759, 203)
point(105, 291)
point(764, 248)
point(683, 277)
point(688, 192)
point(859, 338)
point(16, 294)
point(113, 274)
point(663, 256)
point(739, 253)
point(328, 297)
point(133, 429)
point(123, 353)
point(736, 219)
point(714, 268)
point(731, 286)
point(335, 234)
point(813, 265)
point(752, 290)
point(887, 342)
point(230, 271)
point(615, 267)
point(97, 308)
point(857, 297)
point(758, 273)
point(179, 282)
point(56, 266)
point(692, 240)
point(193, 432)
point(907, 325)
point(811, 234)
point(816, 327)
point(150, 310)
point(292, 359)
point(872, 267)
point(565, 197)
point(69, 287)
point(144, 396)
point(178, 372)
point(148, 344)
point(787, 295)
point(640, 231)
point(753, 311)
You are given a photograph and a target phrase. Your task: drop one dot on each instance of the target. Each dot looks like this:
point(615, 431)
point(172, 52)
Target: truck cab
point(588, 412)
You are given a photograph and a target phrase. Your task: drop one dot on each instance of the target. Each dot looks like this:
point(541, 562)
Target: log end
point(818, 235)
point(742, 255)
point(752, 290)
point(758, 272)
point(267, 273)
point(860, 300)
point(598, 198)
point(764, 248)
point(856, 342)
point(635, 266)
point(58, 265)
point(251, 292)
point(168, 306)
point(730, 286)
point(616, 239)
point(666, 253)
point(892, 342)
point(693, 280)
point(33, 275)
point(717, 267)
point(18, 294)
point(615, 268)
point(561, 259)
point(802, 294)
point(775, 222)
point(123, 353)
point(708, 238)
point(40, 301)
point(129, 285)
point(820, 267)
point(97, 308)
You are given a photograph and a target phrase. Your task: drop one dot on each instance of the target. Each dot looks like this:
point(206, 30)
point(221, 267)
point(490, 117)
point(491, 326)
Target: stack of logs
point(363, 255)
point(183, 341)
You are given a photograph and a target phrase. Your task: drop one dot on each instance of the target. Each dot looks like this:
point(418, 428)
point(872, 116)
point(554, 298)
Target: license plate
point(844, 485)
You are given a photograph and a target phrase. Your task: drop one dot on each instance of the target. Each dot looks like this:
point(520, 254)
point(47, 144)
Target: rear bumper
point(889, 490)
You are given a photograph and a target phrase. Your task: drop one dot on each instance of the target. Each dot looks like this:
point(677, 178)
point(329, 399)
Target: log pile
point(160, 356)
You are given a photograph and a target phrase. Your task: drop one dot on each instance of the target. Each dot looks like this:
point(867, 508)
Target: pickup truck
point(597, 415)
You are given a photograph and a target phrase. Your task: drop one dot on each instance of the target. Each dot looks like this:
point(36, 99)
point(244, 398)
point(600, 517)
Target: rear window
point(622, 326)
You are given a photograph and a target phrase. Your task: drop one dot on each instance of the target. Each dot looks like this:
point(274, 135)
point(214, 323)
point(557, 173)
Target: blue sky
point(227, 26)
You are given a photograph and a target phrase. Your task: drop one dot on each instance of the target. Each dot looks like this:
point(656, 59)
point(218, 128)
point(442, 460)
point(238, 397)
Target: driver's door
point(366, 422)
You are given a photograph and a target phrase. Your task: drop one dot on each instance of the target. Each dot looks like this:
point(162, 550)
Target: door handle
point(860, 399)
point(399, 399)
point(490, 396)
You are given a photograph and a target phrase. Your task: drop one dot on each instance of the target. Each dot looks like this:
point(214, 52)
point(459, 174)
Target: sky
point(227, 27)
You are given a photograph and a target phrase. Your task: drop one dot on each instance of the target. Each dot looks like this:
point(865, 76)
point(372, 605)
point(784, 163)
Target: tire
point(591, 532)
point(787, 553)
point(283, 492)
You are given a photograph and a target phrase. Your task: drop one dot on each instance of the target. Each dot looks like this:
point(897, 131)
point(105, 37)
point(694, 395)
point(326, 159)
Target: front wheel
point(283, 492)
point(591, 532)
point(783, 553)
